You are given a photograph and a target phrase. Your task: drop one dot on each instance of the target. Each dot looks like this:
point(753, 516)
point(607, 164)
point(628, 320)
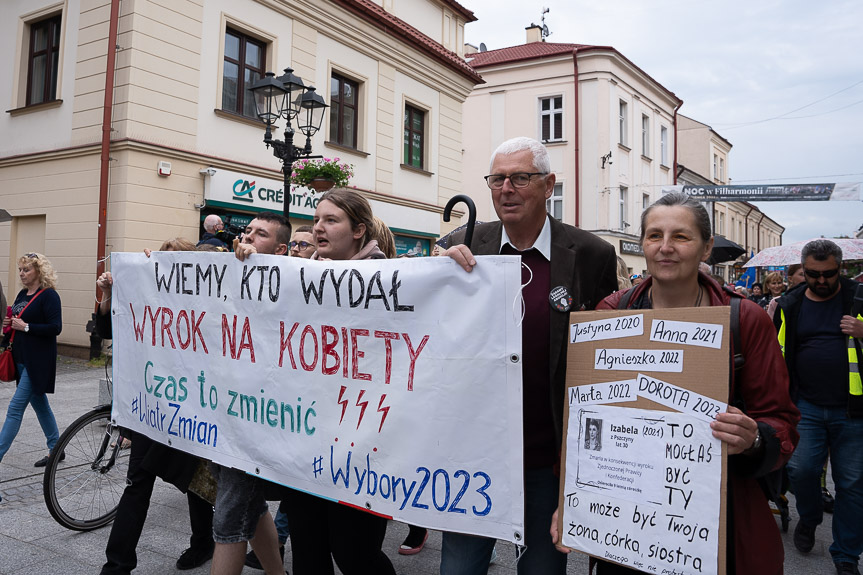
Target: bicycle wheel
point(82, 489)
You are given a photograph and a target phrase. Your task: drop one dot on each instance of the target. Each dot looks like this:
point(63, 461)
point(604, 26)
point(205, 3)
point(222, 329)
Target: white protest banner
point(391, 385)
point(623, 504)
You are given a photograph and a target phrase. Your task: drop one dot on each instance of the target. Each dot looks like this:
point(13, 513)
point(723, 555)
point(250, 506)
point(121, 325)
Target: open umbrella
point(852, 250)
point(724, 250)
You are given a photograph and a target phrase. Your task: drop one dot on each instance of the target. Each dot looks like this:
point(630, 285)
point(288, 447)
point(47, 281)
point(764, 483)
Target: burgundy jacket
point(763, 389)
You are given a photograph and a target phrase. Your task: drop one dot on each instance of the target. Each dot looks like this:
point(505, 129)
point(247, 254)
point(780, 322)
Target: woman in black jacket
point(36, 321)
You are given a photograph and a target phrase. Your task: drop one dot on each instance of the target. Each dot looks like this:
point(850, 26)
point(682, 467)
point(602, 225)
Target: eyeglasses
point(303, 245)
point(634, 277)
point(825, 274)
point(32, 256)
point(518, 180)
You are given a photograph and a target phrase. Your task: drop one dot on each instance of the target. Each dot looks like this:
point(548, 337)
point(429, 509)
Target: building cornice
point(205, 160)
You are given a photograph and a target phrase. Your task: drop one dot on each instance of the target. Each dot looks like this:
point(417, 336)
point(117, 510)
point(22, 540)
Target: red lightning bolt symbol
point(384, 410)
point(343, 403)
point(362, 405)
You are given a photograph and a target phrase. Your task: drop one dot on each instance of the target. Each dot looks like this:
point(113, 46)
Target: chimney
point(470, 49)
point(534, 33)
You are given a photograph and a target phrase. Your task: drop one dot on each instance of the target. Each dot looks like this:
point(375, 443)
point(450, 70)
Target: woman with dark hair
point(676, 237)
point(323, 530)
point(35, 323)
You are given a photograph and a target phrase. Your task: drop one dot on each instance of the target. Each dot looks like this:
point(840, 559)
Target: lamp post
point(289, 98)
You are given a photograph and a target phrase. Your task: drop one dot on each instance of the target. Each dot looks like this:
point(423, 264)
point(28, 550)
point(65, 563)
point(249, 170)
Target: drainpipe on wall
point(577, 139)
point(674, 121)
point(105, 159)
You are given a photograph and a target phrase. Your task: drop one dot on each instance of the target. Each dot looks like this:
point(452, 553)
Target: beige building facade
point(703, 160)
point(609, 128)
point(183, 139)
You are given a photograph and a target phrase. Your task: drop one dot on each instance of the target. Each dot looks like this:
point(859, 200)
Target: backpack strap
point(623, 303)
point(737, 360)
point(32, 299)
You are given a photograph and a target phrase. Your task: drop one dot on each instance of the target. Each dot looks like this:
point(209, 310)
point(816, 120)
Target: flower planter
point(321, 184)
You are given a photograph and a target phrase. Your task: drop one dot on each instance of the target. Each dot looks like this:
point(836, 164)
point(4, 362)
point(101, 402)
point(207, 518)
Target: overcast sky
point(781, 80)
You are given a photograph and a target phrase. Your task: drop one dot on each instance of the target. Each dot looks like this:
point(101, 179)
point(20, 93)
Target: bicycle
point(86, 471)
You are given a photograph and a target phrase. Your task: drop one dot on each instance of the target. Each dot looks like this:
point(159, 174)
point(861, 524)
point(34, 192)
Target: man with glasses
point(303, 243)
point(819, 338)
point(563, 269)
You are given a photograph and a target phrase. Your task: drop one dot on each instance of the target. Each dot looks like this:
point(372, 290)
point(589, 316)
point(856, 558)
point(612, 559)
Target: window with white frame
point(624, 123)
point(645, 136)
point(721, 169)
point(554, 204)
point(721, 224)
point(715, 167)
point(624, 192)
point(645, 201)
point(551, 119)
point(663, 145)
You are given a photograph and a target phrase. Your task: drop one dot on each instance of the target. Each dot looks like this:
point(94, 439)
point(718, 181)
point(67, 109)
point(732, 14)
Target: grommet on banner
point(560, 299)
point(514, 358)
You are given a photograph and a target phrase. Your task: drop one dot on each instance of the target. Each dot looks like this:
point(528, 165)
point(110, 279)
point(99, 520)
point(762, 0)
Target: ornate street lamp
point(289, 98)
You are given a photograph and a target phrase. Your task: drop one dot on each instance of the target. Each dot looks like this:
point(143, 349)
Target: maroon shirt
point(540, 446)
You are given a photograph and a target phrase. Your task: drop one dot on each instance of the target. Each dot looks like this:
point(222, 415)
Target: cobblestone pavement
point(32, 542)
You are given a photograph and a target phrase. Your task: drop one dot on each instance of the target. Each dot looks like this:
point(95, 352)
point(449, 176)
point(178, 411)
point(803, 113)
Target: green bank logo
point(243, 190)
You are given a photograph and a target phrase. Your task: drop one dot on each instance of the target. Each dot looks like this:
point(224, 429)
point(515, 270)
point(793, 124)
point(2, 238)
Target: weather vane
point(545, 32)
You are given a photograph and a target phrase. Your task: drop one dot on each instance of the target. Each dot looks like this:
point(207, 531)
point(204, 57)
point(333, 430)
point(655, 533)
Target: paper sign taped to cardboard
point(644, 479)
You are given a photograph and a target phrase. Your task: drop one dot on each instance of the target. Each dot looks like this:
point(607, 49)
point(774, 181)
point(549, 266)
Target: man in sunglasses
point(820, 339)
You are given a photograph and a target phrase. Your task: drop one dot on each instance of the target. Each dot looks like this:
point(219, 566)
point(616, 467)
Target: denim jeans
point(239, 505)
point(469, 555)
point(822, 429)
point(282, 528)
point(24, 394)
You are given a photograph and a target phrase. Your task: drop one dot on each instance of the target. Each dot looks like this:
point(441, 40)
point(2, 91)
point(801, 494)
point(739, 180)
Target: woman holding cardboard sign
point(676, 237)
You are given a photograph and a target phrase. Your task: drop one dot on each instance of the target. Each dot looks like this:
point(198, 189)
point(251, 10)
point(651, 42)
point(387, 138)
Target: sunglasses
point(825, 274)
point(31, 255)
point(303, 245)
point(634, 277)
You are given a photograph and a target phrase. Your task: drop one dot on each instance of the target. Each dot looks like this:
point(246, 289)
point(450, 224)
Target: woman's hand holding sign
point(736, 429)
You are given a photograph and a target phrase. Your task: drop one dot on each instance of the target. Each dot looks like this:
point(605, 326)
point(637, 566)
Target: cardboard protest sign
point(390, 385)
point(644, 479)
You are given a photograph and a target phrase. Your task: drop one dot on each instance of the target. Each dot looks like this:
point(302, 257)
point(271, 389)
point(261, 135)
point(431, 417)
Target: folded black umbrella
point(724, 250)
point(445, 239)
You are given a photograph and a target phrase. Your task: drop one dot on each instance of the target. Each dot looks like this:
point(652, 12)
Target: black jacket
point(37, 348)
point(789, 309)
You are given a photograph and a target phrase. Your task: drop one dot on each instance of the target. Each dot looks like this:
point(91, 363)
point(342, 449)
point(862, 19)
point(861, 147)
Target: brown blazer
point(584, 263)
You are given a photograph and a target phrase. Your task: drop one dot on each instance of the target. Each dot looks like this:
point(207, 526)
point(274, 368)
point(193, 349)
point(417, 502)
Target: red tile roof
point(540, 50)
point(389, 23)
point(468, 14)
point(532, 51)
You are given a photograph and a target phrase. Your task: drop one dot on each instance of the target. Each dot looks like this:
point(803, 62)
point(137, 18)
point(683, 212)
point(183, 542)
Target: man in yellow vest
point(819, 338)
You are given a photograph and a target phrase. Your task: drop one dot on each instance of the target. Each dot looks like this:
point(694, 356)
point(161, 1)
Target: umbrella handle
point(471, 217)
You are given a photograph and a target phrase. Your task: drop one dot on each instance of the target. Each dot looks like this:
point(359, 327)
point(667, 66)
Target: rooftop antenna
point(545, 32)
